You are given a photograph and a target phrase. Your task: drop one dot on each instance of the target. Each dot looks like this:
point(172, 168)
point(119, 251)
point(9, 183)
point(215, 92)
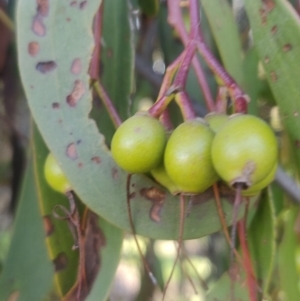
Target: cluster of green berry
point(239, 149)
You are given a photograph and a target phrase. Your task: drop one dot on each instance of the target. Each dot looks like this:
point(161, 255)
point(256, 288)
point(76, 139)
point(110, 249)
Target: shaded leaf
point(149, 7)
point(225, 32)
point(110, 256)
point(59, 237)
point(27, 272)
point(221, 290)
point(287, 267)
point(262, 240)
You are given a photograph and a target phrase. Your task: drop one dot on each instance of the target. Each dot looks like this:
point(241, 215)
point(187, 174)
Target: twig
point(176, 21)
point(146, 266)
point(223, 222)
point(288, 184)
point(108, 104)
point(180, 238)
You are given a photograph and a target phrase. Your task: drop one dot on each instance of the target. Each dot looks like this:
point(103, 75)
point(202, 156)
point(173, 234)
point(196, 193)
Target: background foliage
point(49, 102)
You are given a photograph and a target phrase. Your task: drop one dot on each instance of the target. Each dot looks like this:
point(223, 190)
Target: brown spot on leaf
point(45, 67)
point(60, 262)
point(82, 4)
point(43, 7)
point(156, 196)
point(38, 26)
point(76, 66)
point(48, 225)
point(14, 296)
point(68, 19)
point(132, 195)
point(297, 143)
point(73, 3)
point(266, 60)
point(153, 194)
point(80, 164)
point(96, 160)
point(155, 212)
point(268, 4)
point(273, 76)
point(76, 94)
point(263, 16)
point(115, 173)
point(71, 151)
point(33, 48)
point(296, 114)
point(109, 53)
point(274, 29)
point(287, 47)
point(55, 105)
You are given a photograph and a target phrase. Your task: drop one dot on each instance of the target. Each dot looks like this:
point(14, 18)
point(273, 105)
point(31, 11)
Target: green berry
point(244, 150)
point(188, 157)
point(160, 175)
point(55, 176)
point(138, 144)
point(256, 188)
point(216, 120)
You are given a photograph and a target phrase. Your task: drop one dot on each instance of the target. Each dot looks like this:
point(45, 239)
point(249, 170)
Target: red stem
point(251, 281)
point(166, 120)
point(239, 97)
point(108, 104)
point(97, 29)
point(185, 105)
point(176, 21)
point(181, 77)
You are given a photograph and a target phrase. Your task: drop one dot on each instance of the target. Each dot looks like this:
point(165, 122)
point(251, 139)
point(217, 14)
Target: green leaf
point(287, 267)
point(54, 69)
point(110, 256)
point(149, 7)
point(222, 289)
point(262, 240)
point(118, 55)
point(27, 273)
point(59, 238)
point(276, 32)
point(225, 32)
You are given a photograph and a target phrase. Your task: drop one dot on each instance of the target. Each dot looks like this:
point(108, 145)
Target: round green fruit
point(256, 188)
point(160, 175)
point(55, 176)
point(216, 120)
point(138, 144)
point(188, 157)
point(244, 150)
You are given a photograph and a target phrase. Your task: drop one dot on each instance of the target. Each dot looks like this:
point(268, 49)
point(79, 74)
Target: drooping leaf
point(225, 32)
point(262, 240)
point(276, 32)
point(59, 237)
point(222, 289)
point(27, 273)
point(110, 255)
point(287, 267)
point(55, 78)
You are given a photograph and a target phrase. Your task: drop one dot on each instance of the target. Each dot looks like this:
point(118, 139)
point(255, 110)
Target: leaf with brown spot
point(279, 40)
point(97, 239)
point(91, 180)
point(77, 92)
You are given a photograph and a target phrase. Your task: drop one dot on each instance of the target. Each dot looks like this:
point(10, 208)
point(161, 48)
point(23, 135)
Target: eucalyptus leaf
point(27, 273)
